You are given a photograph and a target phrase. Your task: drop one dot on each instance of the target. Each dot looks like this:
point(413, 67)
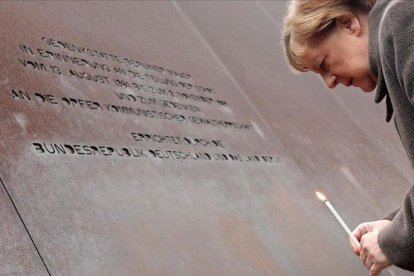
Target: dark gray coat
point(391, 58)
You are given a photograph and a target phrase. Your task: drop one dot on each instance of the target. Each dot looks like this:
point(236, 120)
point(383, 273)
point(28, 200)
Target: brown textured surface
point(18, 256)
point(242, 242)
point(114, 216)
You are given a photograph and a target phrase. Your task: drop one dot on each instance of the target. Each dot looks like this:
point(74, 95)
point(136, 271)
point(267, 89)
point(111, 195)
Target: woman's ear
point(349, 23)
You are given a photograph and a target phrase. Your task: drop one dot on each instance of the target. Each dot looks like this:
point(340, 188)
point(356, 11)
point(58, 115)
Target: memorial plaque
point(165, 138)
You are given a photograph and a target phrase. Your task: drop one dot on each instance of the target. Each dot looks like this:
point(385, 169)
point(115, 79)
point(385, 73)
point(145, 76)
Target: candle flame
point(321, 196)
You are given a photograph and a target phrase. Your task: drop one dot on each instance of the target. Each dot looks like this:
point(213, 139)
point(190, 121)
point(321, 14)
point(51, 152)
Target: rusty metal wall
point(84, 194)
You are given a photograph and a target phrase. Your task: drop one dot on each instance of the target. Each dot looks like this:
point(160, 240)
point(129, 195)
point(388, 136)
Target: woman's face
point(341, 56)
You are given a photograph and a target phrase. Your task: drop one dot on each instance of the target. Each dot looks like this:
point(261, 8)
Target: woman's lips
point(349, 83)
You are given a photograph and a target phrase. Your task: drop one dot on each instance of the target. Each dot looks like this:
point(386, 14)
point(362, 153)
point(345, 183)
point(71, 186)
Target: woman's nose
point(330, 80)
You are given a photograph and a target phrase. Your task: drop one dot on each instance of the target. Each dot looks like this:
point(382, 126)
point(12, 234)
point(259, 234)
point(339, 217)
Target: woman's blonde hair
point(307, 19)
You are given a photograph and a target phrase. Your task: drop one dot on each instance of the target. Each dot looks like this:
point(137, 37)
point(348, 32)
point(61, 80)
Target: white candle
point(338, 217)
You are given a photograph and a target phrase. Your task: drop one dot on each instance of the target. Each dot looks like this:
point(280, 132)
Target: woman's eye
point(323, 65)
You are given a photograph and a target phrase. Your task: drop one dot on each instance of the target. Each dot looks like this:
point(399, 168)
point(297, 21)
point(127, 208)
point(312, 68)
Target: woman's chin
point(368, 89)
point(368, 86)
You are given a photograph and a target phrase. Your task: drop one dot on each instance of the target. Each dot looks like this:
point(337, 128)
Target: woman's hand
point(370, 252)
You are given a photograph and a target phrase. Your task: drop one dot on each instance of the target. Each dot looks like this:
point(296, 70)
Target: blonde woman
point(366, 44)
